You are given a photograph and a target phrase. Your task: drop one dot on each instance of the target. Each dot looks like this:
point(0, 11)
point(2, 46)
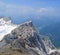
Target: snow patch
point(5, 28)
point(52, 50)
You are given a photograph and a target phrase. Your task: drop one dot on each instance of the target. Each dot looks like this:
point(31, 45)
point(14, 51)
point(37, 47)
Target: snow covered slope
point(5, 27)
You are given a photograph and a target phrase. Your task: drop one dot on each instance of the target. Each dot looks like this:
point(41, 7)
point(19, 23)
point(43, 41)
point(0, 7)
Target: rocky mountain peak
point(26, 39)
point(28, 23)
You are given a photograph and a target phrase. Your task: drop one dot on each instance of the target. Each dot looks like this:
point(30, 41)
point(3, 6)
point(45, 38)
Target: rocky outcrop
point(50, 48)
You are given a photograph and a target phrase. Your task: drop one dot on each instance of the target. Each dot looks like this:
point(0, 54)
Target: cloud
point(15, 10)
point(45, 10)
point(11, 9)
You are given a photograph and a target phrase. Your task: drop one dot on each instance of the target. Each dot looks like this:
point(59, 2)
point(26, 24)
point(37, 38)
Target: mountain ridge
point(27, 40)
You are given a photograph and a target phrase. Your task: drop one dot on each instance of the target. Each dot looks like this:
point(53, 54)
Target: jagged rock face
point(48, 45)
point(25, 38)
point(50, 48)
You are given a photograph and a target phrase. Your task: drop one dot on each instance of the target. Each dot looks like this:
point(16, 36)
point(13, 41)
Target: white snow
point(5, 28)
point(51, 50)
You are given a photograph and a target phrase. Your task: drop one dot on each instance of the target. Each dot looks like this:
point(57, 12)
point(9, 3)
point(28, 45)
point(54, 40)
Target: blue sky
point(26, 8)
point(34, 3)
